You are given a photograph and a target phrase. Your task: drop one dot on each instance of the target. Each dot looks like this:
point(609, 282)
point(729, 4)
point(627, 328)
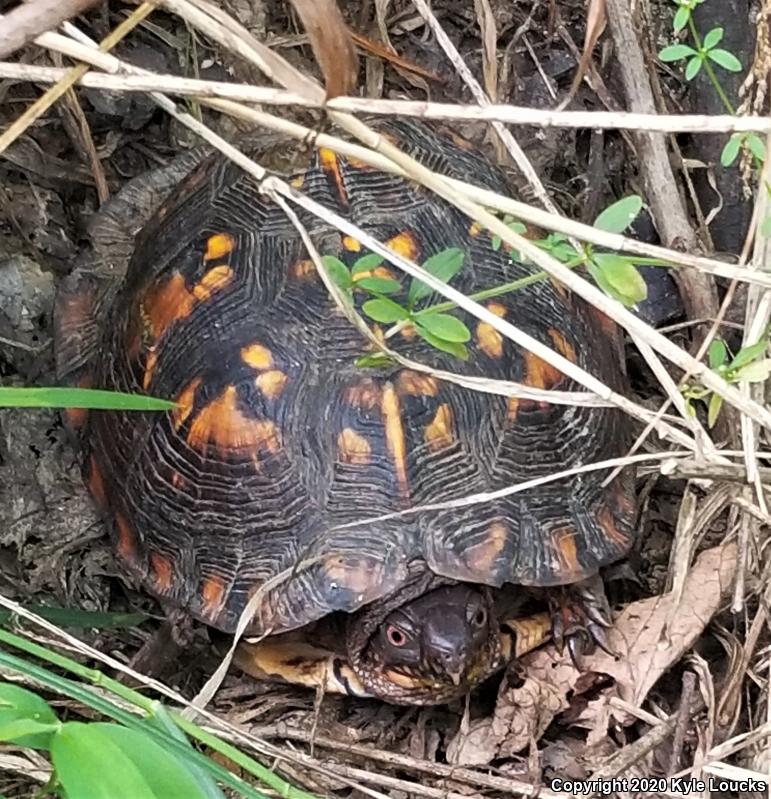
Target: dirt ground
point(545, 719)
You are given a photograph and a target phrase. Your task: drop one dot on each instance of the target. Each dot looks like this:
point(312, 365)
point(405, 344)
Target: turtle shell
point(289, 470)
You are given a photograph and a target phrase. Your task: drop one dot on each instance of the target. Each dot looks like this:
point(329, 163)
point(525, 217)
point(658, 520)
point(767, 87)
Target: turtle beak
point(455, 676)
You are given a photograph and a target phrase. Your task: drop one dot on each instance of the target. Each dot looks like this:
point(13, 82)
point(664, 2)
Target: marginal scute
point(223, 424)
point(564, 547)
point(439, 433)
point(213, 596)
point(330, 164)
point(353, 448)
point(95, 483)
point(150, 364)
point(162, 571)
point(218, 246)
point(127, 539)
point(76, 418)
point(481, 559)
point(359, 575)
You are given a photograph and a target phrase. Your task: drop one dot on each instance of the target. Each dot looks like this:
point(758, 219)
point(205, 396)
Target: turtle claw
point(581, 618)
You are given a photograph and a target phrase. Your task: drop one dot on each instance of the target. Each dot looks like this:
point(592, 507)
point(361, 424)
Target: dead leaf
point(489, 33)
point(521, 715)
point(332, 44)
point(595, 25)
point(637, 637)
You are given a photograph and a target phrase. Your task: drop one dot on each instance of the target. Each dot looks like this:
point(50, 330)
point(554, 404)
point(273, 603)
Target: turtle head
point(434, 647)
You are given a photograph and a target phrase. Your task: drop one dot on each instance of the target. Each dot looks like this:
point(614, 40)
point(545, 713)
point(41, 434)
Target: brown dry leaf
point(489, 33)
point(595, 24)
point(521, 716)
point(523, 713)
point(332, 44)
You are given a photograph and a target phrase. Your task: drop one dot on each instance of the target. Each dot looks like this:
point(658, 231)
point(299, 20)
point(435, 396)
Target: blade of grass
point(80, 398)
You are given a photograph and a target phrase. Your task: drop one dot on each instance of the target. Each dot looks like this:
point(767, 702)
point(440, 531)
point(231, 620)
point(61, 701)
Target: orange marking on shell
point(127, 540)
point(350, 244)
point(213, 281)
point(562, 345)
point(609, 526)
point(353, 448)
point(302, 269)
point(564, 546)
point(76, 418)
point(560, 288)
point(222, 424)
point(481, 558)
point(172, 301)
point(330, 164)
point(213, 594)
point(459, 141)
point(177, 480)
point(497, 308)
point(390, 408)
point(167, 303)
point(405, 244)
point(152, 362)
point(257, 356)
point(512, 408)
point(365, 394)
point(297, 182)
point(96, 483)
point(416, 384)
point(271, 383)
point(489, 340)
point(185, 402)
point(379, 271)
point(439, 434)
point(605, 323)
point(475, 229)
point(540, 374)
point(218, 246)
point(161, 566)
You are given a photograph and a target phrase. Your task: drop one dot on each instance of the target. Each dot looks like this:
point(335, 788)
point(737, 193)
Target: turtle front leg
point(580, 617)
point(299, 663)
point(524, 634)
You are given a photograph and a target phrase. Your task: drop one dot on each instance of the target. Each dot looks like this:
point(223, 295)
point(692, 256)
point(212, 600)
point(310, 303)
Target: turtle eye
point(395, 636)
point(480, 618)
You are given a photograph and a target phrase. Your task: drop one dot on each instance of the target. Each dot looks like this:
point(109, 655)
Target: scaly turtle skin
point(283, 465)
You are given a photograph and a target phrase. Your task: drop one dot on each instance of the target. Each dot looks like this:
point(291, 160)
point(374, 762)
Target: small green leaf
point(713, 409)
point(712, 38)
point(617, 217)
point(681, 18)
point(378, 285)
point(676, 52)
point(444, 326)
point(454, 348)
point(693, 67)
point(19, 704)
point(757, 146)
point(748, 354)
point(366, 263)
point(619, 278)
point(755, 372)
point(717, 354)
point(725, 59)
point(106, 761)
point(26, 732)
point(80, 398)
point(496, 242)
point(731, 150)
point(374, 360)
point(765, 227)
point(384, 310)
point(443, 266)
point(338, 271)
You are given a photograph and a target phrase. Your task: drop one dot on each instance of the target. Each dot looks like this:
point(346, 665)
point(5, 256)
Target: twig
point(27, 21)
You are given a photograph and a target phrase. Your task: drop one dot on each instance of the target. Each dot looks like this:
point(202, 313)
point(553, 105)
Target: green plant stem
point(95, 677)
point(711, 74)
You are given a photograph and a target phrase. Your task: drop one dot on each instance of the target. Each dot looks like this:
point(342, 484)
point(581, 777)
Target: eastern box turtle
point(288, 469)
